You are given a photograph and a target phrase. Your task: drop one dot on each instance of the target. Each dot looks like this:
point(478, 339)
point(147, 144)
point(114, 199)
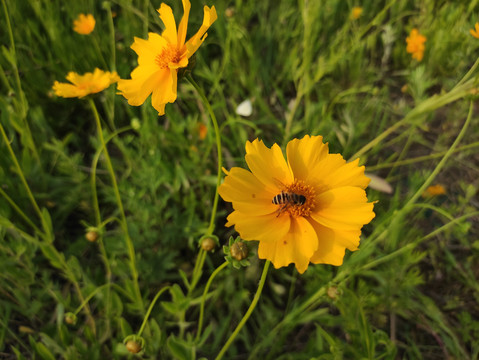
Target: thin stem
point(428, 105)
point(468, 74)
point(129, 243)
point(211, 227)
point(248, 313)
point(23, 101)
point(88, 298)
point(200, 260)
point(20, 173)
point(420, 158)
point(203, 298)
point(158, 294)
point(443, 160)
point(18, 210)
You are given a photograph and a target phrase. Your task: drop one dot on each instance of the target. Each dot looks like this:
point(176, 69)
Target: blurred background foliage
point(411, 291)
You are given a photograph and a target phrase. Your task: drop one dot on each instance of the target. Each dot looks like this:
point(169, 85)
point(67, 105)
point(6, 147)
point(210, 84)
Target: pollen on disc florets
point(300, 188)
point(169, 54)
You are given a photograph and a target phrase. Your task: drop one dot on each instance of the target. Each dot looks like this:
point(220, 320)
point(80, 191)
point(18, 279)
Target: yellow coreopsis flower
point(415, 44)
point(161, 56)
point(308, 208)
point(475, 32)
point(356, 12)
point(83, 85)
point(84, 24)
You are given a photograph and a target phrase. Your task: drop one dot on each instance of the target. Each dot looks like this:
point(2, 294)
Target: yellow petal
point(148, 50)
point(194, 43)
point(141, 85)
point(165, 92)
point(304, 154)
point(166, 15)
point(337, 173)
point(263, 228)
point(332, 244)
point(66, 90)
point(268, 165)
point(344, 208)
point(297, 246)
point(183, 23)
point(247, 193)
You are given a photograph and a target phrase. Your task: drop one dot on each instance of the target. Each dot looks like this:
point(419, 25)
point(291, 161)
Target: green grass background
point(410, 292)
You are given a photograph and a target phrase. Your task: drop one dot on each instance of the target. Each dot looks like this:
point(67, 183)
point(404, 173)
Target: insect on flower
point(287, 199)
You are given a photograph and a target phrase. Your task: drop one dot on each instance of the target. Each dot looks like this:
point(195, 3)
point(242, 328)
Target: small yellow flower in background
point(83, 85)
point(308, 208)
point(202, 131)
point(434, 190)
point(475, 32)
point(84, 24)
point(415, 44)
point(161, 56)
point(356, 12)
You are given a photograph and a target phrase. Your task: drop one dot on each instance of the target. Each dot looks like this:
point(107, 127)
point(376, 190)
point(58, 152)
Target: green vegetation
point(410, 292)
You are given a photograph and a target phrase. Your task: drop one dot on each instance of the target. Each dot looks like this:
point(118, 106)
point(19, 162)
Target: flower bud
point(208, 244)
point(70, 318)
point(239, 250)
point(133, 346)
point(91, 235)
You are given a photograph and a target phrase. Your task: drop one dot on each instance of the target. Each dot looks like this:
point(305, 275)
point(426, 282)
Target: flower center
point(169, 54)
point(298, 199)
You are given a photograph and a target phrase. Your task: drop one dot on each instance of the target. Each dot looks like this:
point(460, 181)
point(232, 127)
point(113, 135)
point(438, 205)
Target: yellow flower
point(356, 12)
point(308, 208)
point(475, 33)
point(83, 85)
point(415, 44)
point(434, 190)
point(84, 24)
point(160, 57)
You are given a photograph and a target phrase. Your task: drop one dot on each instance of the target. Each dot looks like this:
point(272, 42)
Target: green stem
point(101, 224)
point(129, 243)
point(88, 298)
point(23, 101)
point(203, 299)
point(420, 158)
point(468, 74)
point(20, 173)
point(428, 105)
point(211, 227)
point(248, 313)
point(18, 210)
point(197, 270)
point(443, 160)
point(201, 257)
point(158, 294)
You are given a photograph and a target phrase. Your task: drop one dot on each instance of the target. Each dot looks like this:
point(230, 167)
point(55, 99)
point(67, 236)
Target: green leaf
point(180, 349)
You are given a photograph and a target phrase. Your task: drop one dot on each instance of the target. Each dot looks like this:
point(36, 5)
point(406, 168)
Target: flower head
point(83, 85)
point(84, 24)
point(308, 208)
point(356, 12)
point(475, 32)
point(415, 44)
point(161, 56)
point(434, 190)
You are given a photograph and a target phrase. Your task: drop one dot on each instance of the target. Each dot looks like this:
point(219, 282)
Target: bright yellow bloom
point(415, 44)
point(161, 56)
point(83, 85)
point(321, 202)
point(84, 24)
point(475, 33)
point(356, 12)
point(434, 190)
